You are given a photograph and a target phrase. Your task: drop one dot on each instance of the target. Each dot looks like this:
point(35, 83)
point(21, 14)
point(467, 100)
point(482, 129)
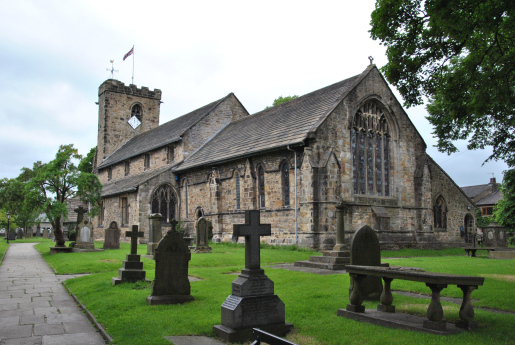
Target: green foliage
point(72, 236)
point(86, 164)
point(50, 185)
point(460, 54)
point(504, 211)
point(181, 229)
point(483, 221)
point(282, 100)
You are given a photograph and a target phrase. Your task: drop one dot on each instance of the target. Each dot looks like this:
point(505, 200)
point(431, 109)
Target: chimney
point(492, 180)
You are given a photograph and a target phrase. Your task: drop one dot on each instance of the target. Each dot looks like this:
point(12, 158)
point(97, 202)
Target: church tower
point(124, 112)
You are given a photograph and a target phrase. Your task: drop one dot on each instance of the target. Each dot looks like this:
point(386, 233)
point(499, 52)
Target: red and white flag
point(128, 54)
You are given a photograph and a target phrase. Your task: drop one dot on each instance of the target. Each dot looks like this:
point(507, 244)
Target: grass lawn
point(311, 300)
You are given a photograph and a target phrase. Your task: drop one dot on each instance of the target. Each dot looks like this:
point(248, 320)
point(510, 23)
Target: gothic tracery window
point(440, 213)
point(164, 201)
point(370, 145)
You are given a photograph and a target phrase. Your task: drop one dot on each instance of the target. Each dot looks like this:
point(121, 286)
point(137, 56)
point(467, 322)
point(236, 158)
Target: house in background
point(485, 196)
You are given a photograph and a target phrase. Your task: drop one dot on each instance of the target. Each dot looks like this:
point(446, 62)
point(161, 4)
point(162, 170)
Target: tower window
point(137, 111)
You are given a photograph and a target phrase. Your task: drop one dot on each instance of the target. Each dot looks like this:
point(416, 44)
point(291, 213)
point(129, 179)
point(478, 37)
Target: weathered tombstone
point(132, 270)
point(19, 234)
point(29, 233)
point(12, 235)
point(202, 235)
point(155, 233)
point(365, 251)
point(45, 233)
point(494, 236)
point(252, 302)
point(65, 233)
point(112, 237)
point(38, 232)
point(84, 238)
point(171, 284)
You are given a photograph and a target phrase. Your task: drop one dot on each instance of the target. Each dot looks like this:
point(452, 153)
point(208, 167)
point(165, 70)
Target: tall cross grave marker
point(132, 270)
point(252, 302)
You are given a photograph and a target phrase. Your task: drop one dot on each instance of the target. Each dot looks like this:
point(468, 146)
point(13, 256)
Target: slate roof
point(165, 134)
point(285, 124)
point(490, 199)
point(472, 191)
point(131, 183)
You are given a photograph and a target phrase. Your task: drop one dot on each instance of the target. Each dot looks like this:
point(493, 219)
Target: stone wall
point(115, 101)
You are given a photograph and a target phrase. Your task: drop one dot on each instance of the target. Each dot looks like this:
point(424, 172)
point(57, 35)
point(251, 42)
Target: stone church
point(350, 143)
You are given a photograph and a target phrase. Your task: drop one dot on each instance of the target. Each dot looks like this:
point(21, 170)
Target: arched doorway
point(468, 225)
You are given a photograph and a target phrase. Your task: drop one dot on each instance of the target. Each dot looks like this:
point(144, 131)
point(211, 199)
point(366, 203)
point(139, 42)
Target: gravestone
point(65, 233)
point(154, 233)
point(132, 270)
point(11, 235)
point(365, 251)
point(29, 233)
point(45, 233)
point(19, 234)
point(112, 237)
point(38, 232)
point(171, 284)
point(84, 238)
point(252, 302)
point(202, 235)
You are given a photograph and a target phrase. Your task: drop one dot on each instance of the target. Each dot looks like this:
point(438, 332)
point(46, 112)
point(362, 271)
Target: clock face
point(134, 122)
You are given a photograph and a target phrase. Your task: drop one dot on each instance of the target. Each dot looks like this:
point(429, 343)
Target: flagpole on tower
point(133, 64)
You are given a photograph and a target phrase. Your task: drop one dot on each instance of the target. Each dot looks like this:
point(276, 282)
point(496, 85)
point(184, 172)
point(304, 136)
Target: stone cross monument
point(132, 270)
point(252, 302)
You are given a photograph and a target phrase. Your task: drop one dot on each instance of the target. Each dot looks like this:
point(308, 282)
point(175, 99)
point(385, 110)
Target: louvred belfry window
point(370, 145)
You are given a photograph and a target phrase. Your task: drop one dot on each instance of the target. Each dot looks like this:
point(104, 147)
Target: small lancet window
point(261, 186)
point(285, 183)
point(237, 187)
point(440, 213)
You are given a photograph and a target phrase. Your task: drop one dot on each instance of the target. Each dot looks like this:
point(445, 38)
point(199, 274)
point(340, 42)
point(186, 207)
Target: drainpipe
point(295, 164)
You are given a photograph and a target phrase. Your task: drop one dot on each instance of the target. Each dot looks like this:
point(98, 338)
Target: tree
point(282, 100)
point(460, 54)
point(86, 164)
point(50, 186)
point(12, 197)
point(504, 211)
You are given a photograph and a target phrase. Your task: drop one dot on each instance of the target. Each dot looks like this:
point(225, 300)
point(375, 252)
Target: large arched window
point(261, 186)
point(285, 183)
point(440, 213)
point(370, 144)
point(164, 201)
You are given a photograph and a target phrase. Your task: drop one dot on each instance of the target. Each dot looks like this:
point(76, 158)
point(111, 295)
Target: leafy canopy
point(504, 211)
point(282, 100)
point(460, 54)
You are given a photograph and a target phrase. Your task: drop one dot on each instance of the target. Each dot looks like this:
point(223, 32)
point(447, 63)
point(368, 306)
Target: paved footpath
point(35, 308)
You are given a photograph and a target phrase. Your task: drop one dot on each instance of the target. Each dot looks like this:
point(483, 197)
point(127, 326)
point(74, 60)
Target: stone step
point(334, 253)
point(329, 259)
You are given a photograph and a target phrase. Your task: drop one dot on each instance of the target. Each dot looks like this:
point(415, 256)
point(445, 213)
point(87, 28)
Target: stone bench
point(472, 250)
point(435, 281)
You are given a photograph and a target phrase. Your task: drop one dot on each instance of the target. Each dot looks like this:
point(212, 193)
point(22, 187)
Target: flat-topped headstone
point(366, 251)
point(19, 234)
point(112, 236)
point(171, 284)
point(11, 235)
point(202, 235)
point(38, 232)
point(132, 270)
point(46, 233)
point(155, 233)
point(252, 302)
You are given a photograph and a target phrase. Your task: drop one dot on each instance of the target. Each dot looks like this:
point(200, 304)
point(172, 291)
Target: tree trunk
point(58, 233)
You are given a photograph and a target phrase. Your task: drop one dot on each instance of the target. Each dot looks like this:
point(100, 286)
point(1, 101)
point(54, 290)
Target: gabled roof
point(165, 134)
point(289, 123)
point(473, 191)
point(490, 199)
point(131, 183)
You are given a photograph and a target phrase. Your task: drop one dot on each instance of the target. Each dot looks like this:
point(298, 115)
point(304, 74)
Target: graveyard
point(311, 300)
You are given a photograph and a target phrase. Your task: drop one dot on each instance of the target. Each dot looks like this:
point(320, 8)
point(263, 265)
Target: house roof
point(131, 183)
point(473, 191)
point(490, 199)
point(165, 134)
point(289, 123)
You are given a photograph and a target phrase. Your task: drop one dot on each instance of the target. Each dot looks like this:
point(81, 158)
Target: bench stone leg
point(473, 253)
point(435, 310)
point(355, 297)
point(466, 309)
point(386, 297)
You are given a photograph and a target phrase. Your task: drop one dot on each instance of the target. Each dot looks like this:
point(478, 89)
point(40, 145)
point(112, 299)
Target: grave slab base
point(241, 335)
point(169, 299)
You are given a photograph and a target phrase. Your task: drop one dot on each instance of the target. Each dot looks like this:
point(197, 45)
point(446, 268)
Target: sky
point(55, 54)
